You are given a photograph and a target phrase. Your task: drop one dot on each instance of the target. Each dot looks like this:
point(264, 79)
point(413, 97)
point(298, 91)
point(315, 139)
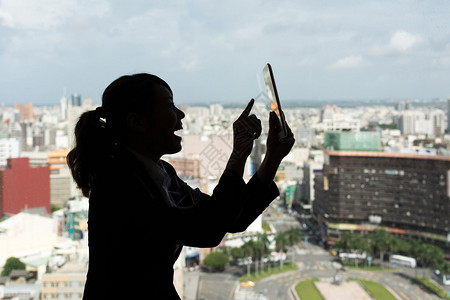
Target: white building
point(430, 122)
point(331, 119)
point(73, 115)
point(31, 238)
point(9, 148)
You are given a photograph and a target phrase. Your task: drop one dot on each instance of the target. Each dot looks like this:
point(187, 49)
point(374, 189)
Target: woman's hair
point(98, 131)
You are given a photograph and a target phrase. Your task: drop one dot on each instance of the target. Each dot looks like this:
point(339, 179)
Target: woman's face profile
point(163, 122)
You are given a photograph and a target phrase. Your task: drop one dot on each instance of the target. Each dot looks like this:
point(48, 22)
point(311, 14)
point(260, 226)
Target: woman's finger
point(247, 110)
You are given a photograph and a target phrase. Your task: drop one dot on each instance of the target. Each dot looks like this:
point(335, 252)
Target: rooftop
point(386, 155)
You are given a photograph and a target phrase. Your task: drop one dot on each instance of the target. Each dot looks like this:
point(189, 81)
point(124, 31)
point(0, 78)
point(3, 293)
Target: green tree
point(236, 253)
point(432, 256)
point(248, 248)
point(345, 241)
point(361, 243)
point(12, 263)
point(265, 244)
point(381, 240)
point(415, 248)
point(217, 260)
point(281, 242)
point(258, 249)
point(293, 236)
point(446, 268)
point(264, 238)
point(266, 227)
point(403, 247)
point(54, 207)
point(354, 242)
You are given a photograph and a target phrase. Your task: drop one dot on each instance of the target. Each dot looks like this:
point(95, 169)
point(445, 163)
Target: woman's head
point(137, 112)
point(129, 94)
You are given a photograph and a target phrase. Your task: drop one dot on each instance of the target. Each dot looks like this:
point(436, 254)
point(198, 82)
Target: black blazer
point(135, 237)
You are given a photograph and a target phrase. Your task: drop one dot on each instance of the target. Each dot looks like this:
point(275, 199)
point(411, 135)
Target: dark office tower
point(76, 100)
point(406, 194)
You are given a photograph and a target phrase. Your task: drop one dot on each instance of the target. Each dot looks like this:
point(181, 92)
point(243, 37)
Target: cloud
point(47, 14)
point(401, 42)
point(349, 62)
point(307, 62)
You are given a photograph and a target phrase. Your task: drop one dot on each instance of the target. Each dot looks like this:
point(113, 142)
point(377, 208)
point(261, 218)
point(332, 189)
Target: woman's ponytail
point(91, 148)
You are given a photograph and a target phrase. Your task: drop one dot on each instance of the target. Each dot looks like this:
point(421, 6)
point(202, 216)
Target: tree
point(345, 241)
point(293, 236)
point(381, 241)
point(281, 242)
point(403, 247)
point(264, 242)
point(415, 249)
point(248, 248)
point(216, 260)
point(264, 238)
point(446, 268)
point(432, 256)
point(394, 245)
point(12, 263)
point(237, 253)
point(361, 243)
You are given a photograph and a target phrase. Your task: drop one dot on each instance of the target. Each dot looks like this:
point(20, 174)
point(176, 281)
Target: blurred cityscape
point(355, 168)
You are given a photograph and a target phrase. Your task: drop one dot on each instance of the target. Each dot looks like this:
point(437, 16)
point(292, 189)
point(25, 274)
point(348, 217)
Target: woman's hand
point(245, 129)
point(276, 150)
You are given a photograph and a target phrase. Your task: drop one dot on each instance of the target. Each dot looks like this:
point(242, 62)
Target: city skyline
point(297, 103)
point(355, 168)
point(214, 52)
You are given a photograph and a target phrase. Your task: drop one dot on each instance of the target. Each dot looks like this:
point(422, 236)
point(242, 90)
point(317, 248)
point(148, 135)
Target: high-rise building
point(73, 115)
point(23, 188)
point(63, 104)
point(404, 193)
point(26, 111)
point(429, 122)
point(76, 99)
point(403, 105)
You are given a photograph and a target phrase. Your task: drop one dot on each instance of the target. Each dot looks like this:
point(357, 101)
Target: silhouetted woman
point(141, 213)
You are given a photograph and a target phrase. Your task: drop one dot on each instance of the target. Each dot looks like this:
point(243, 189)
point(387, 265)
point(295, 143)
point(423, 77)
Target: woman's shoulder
point(168, 167)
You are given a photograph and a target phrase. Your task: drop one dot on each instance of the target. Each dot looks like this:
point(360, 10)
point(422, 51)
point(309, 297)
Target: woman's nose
point(180, 114)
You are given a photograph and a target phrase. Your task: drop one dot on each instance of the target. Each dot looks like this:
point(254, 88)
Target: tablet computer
point(275, 104)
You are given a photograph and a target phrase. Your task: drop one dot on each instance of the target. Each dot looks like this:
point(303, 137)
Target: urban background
point(355, 168)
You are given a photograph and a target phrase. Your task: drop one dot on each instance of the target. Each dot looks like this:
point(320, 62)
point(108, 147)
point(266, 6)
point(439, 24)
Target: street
point(313, 262)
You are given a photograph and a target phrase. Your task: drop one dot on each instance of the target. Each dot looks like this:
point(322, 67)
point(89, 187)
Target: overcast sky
point(214, 51)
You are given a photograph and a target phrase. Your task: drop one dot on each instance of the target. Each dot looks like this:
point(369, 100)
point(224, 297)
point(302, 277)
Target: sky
point(214, 51)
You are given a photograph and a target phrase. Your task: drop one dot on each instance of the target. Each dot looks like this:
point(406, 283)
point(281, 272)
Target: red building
point(23, 187)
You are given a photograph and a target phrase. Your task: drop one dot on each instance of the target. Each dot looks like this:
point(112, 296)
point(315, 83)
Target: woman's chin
point(176, 146)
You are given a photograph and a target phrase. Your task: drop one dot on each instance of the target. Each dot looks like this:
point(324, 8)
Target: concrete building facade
point(23, 187)
point(406, 193)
